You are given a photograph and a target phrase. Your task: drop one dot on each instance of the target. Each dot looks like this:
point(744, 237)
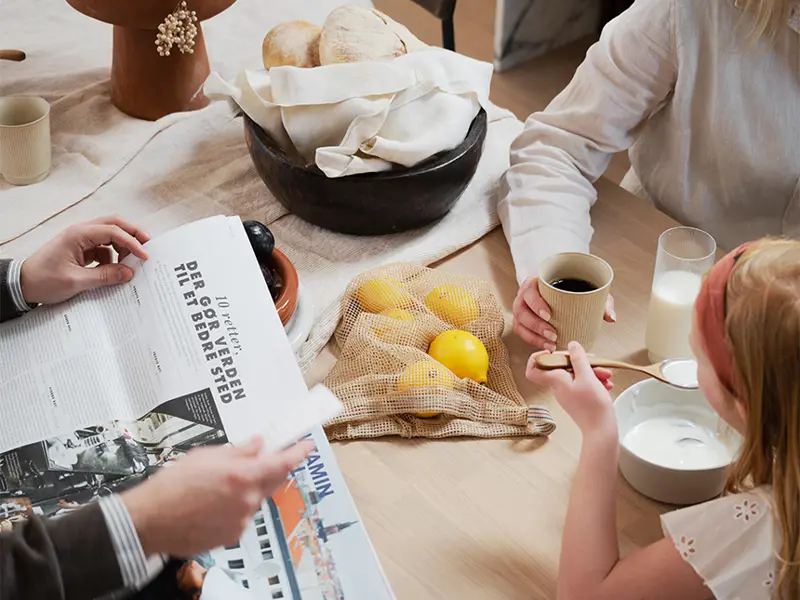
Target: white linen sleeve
point(729, 543)
point(548, 192)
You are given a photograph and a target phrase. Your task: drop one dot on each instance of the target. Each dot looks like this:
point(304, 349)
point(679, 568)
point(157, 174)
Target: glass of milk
point(685, 254)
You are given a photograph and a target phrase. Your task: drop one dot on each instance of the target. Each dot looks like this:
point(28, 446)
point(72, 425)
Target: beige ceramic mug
point(25, 150)
point(576, 287)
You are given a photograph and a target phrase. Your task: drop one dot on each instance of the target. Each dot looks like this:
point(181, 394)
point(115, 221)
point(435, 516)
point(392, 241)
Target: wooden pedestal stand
point(145, 84)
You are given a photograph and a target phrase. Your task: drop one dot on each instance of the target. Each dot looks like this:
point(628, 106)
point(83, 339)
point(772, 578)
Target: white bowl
point(302, 322)
point(686, 474)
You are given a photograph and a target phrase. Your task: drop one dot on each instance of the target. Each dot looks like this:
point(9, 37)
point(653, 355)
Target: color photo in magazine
point(59, 474)
point(306, 543)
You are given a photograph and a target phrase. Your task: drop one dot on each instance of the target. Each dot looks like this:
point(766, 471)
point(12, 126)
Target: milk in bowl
point(674, 447)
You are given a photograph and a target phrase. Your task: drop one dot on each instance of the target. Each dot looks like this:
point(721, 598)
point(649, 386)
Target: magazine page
point(196, 325)
point(306, 543)
point(112, 386)
point(59, 474)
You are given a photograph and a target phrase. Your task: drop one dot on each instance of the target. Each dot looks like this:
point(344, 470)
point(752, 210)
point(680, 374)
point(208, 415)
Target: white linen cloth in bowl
point(364, 117)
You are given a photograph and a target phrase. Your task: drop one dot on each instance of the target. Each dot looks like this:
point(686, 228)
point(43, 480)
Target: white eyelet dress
point(730, 543)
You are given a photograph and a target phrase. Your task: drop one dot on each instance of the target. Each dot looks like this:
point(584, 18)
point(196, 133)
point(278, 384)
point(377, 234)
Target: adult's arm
point(548, 191)
point(87, 554)
point(12, 303)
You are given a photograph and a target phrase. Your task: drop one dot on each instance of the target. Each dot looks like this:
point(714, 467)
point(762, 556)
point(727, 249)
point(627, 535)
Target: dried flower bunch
point(179, 30)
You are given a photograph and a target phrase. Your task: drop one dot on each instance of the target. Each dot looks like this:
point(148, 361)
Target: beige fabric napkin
point(209, 172)
point(365, 117)
point(186, 167)
point(68, 63)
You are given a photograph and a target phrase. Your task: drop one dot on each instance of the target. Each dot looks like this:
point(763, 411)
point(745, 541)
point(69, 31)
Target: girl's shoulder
point(729, 542)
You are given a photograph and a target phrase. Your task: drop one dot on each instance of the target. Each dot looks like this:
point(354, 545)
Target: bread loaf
point(295, 43)
point(356, 33)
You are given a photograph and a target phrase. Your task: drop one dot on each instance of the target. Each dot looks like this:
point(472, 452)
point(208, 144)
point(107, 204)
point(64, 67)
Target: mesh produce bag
point(388, 383)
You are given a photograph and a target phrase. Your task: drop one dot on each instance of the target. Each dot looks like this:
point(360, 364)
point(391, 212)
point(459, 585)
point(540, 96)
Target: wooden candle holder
point(145, 84)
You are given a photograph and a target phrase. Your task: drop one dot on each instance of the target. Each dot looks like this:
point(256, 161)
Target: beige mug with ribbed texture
point(25, 150)
point(576, 315)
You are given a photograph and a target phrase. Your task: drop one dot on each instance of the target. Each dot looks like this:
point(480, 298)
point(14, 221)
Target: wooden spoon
point(15, 55)
point(678, 372)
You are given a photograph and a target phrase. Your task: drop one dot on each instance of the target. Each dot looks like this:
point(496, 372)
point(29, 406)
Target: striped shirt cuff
point(137, 569)
point(15, 286)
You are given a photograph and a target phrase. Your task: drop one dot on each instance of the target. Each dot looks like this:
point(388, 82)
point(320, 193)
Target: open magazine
point(99, 392)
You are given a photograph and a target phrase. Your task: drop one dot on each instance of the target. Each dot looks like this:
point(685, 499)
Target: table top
point(477, 519)
point(483, 518)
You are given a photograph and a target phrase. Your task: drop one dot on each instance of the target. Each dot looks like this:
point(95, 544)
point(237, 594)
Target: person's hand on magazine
point(60, 269)
point(206, 499)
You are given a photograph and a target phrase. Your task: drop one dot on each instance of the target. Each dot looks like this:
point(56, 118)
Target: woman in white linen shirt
point(704, 93)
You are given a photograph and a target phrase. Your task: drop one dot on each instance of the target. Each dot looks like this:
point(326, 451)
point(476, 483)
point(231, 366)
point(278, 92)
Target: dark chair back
point(443, 10)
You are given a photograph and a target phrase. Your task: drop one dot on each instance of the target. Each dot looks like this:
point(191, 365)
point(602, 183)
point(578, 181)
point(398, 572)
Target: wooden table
point(477, 519)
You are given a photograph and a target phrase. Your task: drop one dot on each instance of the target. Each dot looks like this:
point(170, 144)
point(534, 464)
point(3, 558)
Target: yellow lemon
point(423, 374)
point(453, 305)
point(380, 295)
point(462, 353)
point(398, 314)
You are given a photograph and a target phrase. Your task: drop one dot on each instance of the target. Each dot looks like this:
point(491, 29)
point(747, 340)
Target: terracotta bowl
point(371, 203)
point(286, 302)
point(143, 83)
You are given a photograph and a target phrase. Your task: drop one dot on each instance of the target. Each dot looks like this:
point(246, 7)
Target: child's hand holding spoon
point(678, 372)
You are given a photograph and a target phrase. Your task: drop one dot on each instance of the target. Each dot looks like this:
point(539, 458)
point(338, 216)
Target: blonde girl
point(745, 545)
point(705, 95)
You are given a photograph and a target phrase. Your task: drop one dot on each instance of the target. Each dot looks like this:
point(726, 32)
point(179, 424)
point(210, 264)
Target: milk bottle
point(684, 255)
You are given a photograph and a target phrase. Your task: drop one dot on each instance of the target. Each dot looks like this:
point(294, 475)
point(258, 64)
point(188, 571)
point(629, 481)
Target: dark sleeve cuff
point(8, 308)
point(85, 552)
point(65, 557)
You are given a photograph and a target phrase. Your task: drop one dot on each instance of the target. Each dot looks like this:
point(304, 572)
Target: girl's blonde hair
point(769, 15)
point(762, 325)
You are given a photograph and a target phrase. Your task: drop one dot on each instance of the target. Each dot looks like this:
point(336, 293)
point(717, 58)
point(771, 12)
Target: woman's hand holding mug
point(532, 316)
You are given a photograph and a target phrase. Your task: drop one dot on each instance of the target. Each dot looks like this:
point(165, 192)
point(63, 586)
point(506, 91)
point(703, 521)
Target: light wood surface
point(477, 519)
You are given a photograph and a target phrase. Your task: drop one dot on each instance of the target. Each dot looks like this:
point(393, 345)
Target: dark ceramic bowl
point(371, 203)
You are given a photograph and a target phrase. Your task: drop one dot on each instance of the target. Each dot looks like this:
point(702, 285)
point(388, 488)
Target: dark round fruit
point(261, 239)
point(269, 278)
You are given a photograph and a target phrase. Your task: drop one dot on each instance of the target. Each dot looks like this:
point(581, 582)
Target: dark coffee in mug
point(578, 286)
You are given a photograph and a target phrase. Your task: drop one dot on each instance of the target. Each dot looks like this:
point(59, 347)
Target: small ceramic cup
point(576, 315)
point(25, 150)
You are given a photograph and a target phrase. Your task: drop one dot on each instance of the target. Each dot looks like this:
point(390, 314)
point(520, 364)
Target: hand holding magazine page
point(100, 391)
point(195, 328)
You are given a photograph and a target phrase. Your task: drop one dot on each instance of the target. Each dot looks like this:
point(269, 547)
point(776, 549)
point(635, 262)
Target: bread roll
point(357, 33)
point(412, 42)
point(295, 43)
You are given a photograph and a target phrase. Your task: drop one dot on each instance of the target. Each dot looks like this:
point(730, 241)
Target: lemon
point(398, 314)
point(453, 305)
point(424, 374)
point(462, 353)
point(380, 295)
